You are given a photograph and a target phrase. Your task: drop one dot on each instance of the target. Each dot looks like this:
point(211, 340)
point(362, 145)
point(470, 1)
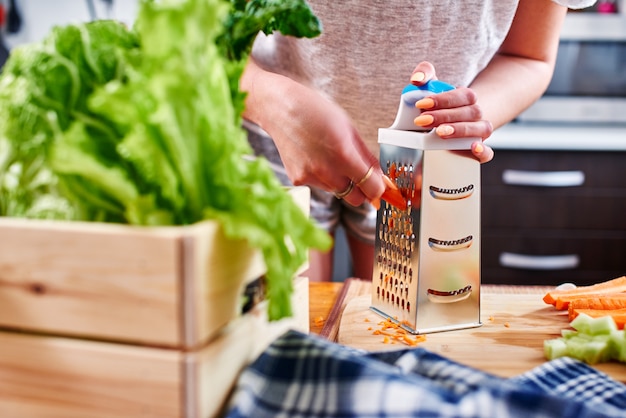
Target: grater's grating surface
point(426, 270)
point(395, 270)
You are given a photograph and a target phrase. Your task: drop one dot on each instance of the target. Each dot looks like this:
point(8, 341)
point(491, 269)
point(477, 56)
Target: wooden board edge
point(352, 287)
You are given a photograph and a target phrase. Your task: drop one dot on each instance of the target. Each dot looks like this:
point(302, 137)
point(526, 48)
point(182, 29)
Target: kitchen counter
point(322, 298)
point(510, 341)
point(543, 136)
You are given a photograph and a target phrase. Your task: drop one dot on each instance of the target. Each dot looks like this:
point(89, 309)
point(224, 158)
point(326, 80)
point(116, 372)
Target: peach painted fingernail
point(423, 120)
point(426, 103)
point(418, 77)
point(444, 130)
point(478, 148)
point(375, 203)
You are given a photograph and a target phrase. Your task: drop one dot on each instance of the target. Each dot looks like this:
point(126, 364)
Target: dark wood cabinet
point(550, 217)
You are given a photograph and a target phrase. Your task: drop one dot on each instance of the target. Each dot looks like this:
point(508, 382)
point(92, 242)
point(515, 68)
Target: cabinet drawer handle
point(539, 262)
point(543, 178)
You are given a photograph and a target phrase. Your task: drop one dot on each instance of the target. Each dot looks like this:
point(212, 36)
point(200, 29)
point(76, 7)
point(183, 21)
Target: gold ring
point(341, 195)
point(366, 176)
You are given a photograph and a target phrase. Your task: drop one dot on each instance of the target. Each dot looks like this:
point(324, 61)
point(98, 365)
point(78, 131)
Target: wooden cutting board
point(515, 324)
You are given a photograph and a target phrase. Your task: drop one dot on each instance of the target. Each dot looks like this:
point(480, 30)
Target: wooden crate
point(115, 282)
point(102, 320)
point(45, 376)
point(164, 286)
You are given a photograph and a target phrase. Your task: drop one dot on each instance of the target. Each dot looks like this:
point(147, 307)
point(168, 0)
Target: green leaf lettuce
point(143, 126)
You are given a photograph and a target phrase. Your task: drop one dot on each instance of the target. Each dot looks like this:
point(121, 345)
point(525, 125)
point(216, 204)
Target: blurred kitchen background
point(30, 20)
point(553, 199)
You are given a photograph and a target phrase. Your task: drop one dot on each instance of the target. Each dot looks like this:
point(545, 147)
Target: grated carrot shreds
point(407, 340)
point(393, 333)
point(383, 332)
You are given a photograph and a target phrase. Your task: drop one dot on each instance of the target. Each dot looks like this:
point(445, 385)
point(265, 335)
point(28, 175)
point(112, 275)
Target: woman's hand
point(453, 114)
point(320, 146)
point(315, 137)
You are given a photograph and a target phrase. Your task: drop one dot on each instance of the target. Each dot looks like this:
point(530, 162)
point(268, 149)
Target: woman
point(314, 106)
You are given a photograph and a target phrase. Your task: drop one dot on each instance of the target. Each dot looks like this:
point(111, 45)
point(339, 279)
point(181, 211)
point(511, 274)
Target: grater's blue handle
point(407, 111)
point(432, 86)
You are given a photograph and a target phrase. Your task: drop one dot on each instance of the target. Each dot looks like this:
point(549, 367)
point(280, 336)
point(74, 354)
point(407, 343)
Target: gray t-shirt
point(368, 50)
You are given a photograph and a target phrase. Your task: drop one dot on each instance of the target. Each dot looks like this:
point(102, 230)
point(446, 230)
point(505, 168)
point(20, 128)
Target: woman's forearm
point(509, 86)
point(264, 92)
point(521, 71)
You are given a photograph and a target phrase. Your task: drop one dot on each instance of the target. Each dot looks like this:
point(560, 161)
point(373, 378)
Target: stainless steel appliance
point(427, 252)
point(589, 81)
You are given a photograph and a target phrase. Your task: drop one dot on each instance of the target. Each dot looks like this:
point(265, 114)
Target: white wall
point(38, 16)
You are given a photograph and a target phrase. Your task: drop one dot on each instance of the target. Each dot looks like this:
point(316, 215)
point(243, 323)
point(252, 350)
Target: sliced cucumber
point(566, 333)
point(555, 348)
point(593, 340)
point(594, 326)
point(591, 351)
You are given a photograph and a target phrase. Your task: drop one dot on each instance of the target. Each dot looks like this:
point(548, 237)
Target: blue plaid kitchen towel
point(302, 375)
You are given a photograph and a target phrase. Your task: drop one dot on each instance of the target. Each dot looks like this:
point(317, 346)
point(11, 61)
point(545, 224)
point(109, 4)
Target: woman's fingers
point(482, 152)
point(454, 114)
point(451, 99)
point(360, 181)
point(423, 72)
point(479, 129)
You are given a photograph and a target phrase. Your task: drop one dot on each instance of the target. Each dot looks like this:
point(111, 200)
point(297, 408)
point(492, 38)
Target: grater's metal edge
point(432, 330)
point(423, 140)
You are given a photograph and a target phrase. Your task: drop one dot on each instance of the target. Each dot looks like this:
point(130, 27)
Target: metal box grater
point(427, 257)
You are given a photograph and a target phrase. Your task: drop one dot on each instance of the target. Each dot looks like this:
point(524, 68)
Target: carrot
point(593, 301)
point(611, 286)
point(618, 315)
point(393, 195)
point(601, 302)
